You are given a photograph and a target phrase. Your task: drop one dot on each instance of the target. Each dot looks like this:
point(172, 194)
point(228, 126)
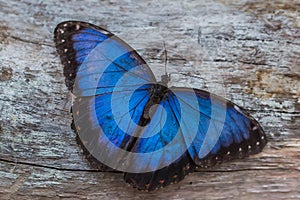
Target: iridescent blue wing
point(225, 130)
point(102, 71)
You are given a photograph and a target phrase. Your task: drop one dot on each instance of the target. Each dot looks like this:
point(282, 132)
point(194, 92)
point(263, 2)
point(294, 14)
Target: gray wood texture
point(247, 51)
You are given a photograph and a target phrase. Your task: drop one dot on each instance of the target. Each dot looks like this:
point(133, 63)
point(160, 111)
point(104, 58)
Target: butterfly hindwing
point(225, 130)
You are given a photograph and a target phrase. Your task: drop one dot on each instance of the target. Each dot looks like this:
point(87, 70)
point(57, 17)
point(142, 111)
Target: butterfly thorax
point(157, 93)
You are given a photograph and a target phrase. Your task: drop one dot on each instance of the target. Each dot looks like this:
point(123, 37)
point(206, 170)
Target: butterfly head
point(165, 79)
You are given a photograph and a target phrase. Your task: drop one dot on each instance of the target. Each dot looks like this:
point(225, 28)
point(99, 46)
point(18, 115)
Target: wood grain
point(247, 51)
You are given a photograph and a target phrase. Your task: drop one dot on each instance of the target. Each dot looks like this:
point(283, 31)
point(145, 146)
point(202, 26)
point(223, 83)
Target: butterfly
point(128, 121)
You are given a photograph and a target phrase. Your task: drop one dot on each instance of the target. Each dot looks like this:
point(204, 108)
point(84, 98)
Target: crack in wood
point(113, 171)
point(52, 167)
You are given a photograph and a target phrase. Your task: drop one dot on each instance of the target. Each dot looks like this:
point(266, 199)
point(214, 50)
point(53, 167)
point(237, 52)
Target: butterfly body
point(127, 120)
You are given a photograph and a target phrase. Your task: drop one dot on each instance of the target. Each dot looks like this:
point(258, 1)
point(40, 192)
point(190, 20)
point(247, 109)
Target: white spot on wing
point(77, 26)
point(104, 32)
point(237, 108)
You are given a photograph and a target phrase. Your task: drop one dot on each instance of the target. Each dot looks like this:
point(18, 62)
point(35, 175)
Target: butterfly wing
point(225, 130)
point(110, 80)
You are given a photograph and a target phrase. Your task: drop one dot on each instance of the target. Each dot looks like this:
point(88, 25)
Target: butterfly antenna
point(165, 78)
point(166, 58)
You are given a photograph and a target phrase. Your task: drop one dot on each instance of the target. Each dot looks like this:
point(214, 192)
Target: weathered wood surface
point(247, 51)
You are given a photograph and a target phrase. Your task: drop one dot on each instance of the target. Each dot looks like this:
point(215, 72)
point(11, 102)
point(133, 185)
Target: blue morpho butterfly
point(128, 121)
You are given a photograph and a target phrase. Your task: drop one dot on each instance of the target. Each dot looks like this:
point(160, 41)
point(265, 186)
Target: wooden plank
point(246, 51)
